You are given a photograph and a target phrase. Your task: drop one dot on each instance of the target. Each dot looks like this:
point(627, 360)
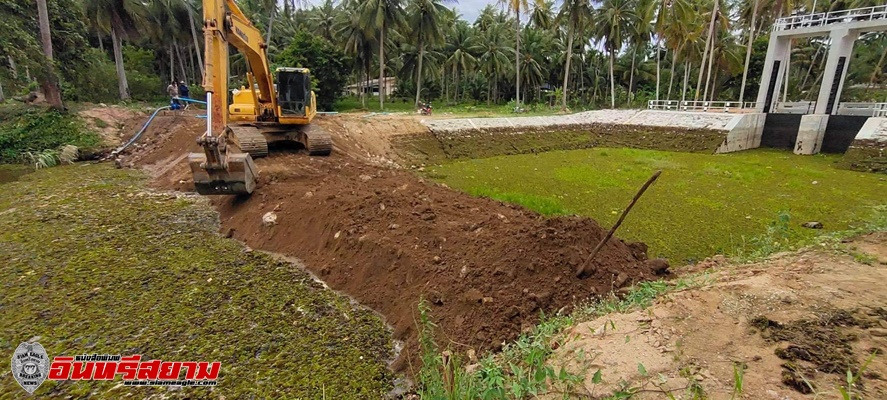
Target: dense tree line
point(580, 52)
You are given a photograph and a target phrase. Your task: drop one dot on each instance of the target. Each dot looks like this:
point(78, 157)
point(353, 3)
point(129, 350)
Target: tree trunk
point(270, 24)
point(751, 39)
point(122, 84)
point(517, 56)
point(419, 73)
point(631, 78)
point(101, 42)
point(686, 78)
point(708, 43)
point(181, 62)
point(658, 64)
point(2, 96)
point(567, 67)
point(711, 59)
point(196, 41)
point(612, 81)
point(381, 67)
point(172, 64)
point(12, 67)
point(674, 60)
point(810, 68)
point(50, 81)
point(877, 69)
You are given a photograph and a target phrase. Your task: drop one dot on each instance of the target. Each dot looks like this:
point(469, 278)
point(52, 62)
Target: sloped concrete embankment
point(868, 152)
point(643, 129)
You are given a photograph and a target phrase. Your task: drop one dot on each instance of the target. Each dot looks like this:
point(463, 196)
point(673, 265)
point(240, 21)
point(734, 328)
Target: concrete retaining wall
point(868, 151)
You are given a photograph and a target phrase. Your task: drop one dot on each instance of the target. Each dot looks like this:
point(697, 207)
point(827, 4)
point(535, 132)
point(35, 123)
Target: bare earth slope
point(387, 238)
point(794, 324)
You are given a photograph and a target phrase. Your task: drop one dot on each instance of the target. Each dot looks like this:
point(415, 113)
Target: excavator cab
point(294, 92)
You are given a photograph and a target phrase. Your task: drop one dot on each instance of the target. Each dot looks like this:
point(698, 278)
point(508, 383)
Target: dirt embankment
point(791, 326)
point(387, 238)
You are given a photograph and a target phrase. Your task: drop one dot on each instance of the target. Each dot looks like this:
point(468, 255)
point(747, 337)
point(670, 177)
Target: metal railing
point(830, 18)
point(705, 106)
point(795, 107)
point(862, 109)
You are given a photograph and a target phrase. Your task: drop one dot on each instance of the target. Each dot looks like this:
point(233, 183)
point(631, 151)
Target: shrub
point(35, 130)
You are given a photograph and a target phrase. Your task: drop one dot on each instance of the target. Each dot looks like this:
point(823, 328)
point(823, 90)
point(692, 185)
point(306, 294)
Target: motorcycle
point(424, 109)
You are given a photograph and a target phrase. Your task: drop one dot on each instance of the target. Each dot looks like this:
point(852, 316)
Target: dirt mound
point(387, 238)
point(369, 137)
point(112, 123)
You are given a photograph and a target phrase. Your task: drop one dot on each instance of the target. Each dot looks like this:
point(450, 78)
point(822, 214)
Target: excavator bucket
point(238, 177)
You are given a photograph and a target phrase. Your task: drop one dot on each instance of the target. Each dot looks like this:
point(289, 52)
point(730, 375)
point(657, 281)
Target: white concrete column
point(777, 51)
point(811, 132)
point(841, 47)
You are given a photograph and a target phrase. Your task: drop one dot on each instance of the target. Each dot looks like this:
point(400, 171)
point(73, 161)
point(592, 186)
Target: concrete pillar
point(775, 63)
point(811, 133)
point(835, 70)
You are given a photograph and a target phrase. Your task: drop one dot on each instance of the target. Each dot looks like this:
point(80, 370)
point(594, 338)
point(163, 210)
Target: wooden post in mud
point(582, 269)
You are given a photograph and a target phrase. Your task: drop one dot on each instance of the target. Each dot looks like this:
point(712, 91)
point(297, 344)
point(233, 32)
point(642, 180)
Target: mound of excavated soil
point(387, 238)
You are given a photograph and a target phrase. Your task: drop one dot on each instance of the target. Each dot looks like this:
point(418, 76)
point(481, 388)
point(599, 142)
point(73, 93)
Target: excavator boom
point(264, 112)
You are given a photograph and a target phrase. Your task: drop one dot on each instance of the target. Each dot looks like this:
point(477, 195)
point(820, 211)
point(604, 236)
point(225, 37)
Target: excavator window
point(293, 92)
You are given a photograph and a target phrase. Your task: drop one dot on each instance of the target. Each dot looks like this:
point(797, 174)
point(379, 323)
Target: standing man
point(184, 91)
point(173, 91)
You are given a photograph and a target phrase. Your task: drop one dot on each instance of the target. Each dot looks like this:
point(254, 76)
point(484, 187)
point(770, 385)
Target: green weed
point(702, 205)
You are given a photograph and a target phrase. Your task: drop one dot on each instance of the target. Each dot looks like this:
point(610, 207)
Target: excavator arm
point(220, 170)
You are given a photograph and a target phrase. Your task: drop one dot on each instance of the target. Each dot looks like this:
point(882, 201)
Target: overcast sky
point(470, 8)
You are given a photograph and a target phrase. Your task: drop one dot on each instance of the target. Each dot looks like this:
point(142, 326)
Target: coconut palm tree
point(323, 19)
point(612, 22)
point(462, 46)
point(540, 17)
point(516, 6)
point(751, 38)
point(574, 14)
point(424, 16)
point(376, 17)
point(639, 36)
point(357, 43)
point(50, 81)
point(121, 19)
point(494, 57)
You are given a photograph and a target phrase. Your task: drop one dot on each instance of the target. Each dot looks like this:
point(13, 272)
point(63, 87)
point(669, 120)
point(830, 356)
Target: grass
point(94, 264)
point(522, 369)
point(702, 205)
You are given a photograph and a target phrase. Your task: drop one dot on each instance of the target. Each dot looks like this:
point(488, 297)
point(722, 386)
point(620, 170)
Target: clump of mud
point(388, 238)
point(823, 345)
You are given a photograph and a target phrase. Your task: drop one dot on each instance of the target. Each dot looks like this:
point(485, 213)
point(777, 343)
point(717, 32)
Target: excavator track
point(316, 141)
point(251, 140)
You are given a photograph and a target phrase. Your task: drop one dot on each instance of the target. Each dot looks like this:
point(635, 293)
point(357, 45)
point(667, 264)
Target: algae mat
point(93, 263)
point(702, 205)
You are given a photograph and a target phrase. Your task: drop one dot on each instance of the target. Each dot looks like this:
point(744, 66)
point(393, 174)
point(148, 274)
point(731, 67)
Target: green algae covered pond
point(94, 263)
point(702, 205)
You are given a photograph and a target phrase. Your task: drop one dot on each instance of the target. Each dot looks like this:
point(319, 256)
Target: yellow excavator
point(265, 112)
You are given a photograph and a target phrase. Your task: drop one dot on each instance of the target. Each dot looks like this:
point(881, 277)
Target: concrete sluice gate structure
point(825, 125)
point(806, 127)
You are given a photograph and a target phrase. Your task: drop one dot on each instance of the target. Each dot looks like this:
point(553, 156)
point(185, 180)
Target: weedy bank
point(93, 263)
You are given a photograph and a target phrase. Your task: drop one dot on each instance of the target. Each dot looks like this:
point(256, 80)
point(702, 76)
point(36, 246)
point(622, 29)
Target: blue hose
point(139, 134)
